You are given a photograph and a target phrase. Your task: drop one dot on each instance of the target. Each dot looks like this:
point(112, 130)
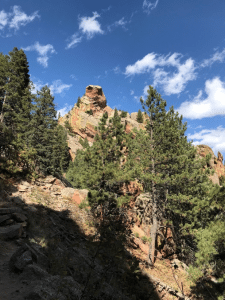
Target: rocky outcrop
point(215, 163)
point(85, 117)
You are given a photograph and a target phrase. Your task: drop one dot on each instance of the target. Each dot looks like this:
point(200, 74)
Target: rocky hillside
point(215, 163)
point(84, 117)
point(53, 247)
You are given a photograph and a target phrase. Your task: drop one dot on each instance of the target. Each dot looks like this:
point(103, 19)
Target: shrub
point(89, 112)
point(78, 102)
point(123, 114)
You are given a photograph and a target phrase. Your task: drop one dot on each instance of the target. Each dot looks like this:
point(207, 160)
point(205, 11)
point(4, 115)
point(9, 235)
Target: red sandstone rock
point(215, 163)
point(95, 93)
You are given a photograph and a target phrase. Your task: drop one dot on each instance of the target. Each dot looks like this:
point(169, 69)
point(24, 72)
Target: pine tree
point(78, 102)
point(44, 124)
point(168, 169)
point(16, 105)
point(140, 117)
point(100, 167)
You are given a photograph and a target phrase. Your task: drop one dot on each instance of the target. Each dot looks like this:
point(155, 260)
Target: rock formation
point(215, 163)
point(85, 116)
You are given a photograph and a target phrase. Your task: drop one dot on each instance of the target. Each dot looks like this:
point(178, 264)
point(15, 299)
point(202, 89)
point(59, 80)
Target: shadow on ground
point(99, 262)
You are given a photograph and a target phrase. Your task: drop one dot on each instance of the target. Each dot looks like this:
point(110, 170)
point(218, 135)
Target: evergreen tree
point(140, 117)
point(48, 139)
point(100, 167)
point(78, 102)
point(16, 105)
point(168, 169)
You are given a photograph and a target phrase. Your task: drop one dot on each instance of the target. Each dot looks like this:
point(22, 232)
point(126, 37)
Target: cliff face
point(215, 163)
point(85, 117)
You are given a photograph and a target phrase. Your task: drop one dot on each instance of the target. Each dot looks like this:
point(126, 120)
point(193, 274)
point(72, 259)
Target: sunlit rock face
point(85, 117)
point(215, 163)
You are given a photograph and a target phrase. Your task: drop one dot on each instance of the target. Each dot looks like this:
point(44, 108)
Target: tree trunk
point(154, 227)
point(153, 234)
point(2, 115)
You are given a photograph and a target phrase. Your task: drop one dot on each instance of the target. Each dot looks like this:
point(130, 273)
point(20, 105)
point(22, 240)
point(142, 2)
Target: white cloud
point(43, 60)
point(117, 70)
point(20, 18)
point(73, 77)
point(16, 18)
point(176, 83)
point(118, 23)
point(216, 57)
point(148, 6)
point(37, 86)
point(43, 52)
point(3, 19)
point(212, 105)
point(145, 91)
point(171, 82)
point(90, 26)
point(131, 92)
point(215, 138)
point(63, 111)
point(57, 87)
point(74, 40)
point(150, 61)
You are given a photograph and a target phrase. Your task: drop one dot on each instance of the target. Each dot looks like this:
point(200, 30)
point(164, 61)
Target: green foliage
point(123, 114)
point(84, 143)
point(78, 102)
point(222, 180)
point(100, 167)
point(145, 239)
point(140, 117)
point(84, 204)
point(48, 139)
point(89, 112)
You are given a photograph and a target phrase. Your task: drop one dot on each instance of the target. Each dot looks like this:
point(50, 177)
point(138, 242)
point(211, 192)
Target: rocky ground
point(52, 247)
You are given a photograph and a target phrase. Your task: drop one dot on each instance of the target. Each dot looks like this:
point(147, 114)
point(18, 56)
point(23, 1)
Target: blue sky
point(125, 46)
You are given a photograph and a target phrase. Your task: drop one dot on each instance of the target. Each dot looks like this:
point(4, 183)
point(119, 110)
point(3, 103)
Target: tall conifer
point(168, 169)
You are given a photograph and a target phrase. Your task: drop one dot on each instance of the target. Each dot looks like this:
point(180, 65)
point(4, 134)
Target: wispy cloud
point(43, 52)
point(171, 82)
point(90, 26)
point(106, 9)
point(3, 19)
point(63, 111)
point(73, 77)
point(215, 138)
point(131, 92)
point(74, 40)
point(122, 22)
point(117, 70)
point(148, 6)
point(57, 87)
point(16, 19)
point(211, 105)
point(216, 57)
